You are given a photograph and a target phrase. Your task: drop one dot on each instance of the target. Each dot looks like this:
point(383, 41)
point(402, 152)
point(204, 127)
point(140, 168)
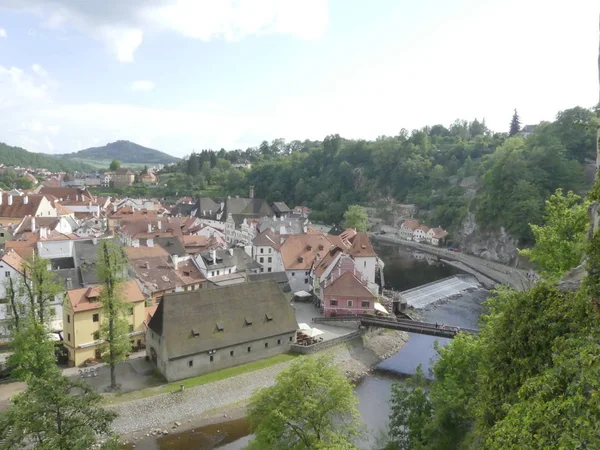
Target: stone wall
point(308, 349)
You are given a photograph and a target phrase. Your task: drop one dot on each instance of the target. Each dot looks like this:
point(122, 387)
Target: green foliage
point(114, 165)
point(57, 413)
point(356, 217)
point(560, 242)
point(24, 183)
point(311, 406)
point(515, 125)
point(16, 156)
point(114, 328)
point(32, 351)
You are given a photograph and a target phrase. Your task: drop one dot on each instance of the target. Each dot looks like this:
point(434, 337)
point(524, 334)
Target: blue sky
point(179, 75)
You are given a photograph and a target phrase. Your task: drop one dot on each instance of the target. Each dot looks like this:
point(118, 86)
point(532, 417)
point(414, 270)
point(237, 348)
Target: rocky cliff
point(496, 245)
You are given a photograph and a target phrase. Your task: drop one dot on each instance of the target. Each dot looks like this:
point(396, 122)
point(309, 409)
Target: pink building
point(346, 293)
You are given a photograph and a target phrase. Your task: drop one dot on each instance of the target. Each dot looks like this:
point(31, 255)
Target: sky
point(184, 75)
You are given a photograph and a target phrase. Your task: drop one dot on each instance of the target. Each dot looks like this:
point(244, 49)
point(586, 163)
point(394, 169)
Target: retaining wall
point(308, 349)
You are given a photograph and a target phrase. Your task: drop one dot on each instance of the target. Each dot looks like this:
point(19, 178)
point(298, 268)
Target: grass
point(202, 379)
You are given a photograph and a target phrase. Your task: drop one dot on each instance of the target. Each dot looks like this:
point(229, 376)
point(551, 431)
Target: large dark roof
point(172, 245)
point(209, 319)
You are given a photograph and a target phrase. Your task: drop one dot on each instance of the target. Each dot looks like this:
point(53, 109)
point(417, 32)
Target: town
point(210, 283)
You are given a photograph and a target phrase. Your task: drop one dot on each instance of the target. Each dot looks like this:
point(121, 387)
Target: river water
point(404, 269)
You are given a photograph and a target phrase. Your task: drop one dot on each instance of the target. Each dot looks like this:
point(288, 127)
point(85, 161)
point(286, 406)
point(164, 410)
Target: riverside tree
point(311, 406)
point(56, 413)
point(114, 329)
point(356, 217)
point(560, 241)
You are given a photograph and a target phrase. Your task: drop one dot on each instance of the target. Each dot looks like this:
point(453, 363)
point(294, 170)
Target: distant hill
point(16, 156)
point(125, 152)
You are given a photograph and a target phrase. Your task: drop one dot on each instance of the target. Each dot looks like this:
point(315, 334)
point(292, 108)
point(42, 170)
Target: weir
point(429, 293)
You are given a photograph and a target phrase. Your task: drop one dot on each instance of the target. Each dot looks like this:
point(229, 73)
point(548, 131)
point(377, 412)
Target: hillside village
point(221, 272)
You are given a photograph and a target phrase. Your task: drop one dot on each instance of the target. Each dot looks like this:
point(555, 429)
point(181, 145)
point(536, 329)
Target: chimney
point(149, 227)
point(9, 202)
point(95, 240)
point(33, 224)
point(150, 242)
point(69, 283)
point(213, 254)
point(252, 191)
point(175, 261)
point(25, 199)
point(159, 224)
point(1, 193)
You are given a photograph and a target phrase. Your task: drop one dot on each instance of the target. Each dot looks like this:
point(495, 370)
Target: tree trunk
point(13, 303)
point(111, 323)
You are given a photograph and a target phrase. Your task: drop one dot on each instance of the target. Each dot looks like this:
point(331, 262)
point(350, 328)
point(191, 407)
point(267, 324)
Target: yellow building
point(82, 316)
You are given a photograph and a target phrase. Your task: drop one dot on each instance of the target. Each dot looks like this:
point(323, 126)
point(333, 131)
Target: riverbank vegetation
point(530, 379)
point(445, 171)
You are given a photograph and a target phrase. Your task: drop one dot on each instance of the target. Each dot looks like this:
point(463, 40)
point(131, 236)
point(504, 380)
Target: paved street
point(305, 313)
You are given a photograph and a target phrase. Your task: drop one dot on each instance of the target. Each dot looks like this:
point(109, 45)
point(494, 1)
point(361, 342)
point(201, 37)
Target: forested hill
point(16, 156)
point(124, 151)
point(446, 171)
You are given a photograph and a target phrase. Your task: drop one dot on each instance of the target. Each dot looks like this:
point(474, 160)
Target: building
point(13, 208)
point(280, 209)
point(67, 193)
point(436, 236)
point(527, 130)
point(11, 269)
point(346, 293)
point(408, 228)
point(83, 316)
point(123, 177)
point(226, 266)
point(420, 233)
point(299, 253)
point(193, 333)
point(265, 251)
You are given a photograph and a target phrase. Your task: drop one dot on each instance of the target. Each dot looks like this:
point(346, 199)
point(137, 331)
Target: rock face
point(496, 245)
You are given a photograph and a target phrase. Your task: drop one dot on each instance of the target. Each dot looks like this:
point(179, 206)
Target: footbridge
point(483, 269)
point(410, 326)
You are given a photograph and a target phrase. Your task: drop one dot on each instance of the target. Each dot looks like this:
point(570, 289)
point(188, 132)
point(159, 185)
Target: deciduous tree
point(114, 328)
point(114, 165)
point(311, 406)
point(356, 217)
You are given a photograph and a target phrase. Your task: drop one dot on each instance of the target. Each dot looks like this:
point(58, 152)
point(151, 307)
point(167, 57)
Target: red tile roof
point(348, 285)
point(80, 298)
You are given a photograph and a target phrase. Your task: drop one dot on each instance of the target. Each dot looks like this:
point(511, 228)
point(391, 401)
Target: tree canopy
point(311, 406)
point(356, 217)
point(114, 165)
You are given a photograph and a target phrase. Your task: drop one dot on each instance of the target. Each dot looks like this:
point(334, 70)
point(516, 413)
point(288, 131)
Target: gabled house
point(299, 253)
point(346, 293)
point(14, 208)
point(83, 316)
point(193, 333)
point(420, 234)
point(67, 193)
point(266, 251)
point(280, 209)
point(436, 235)
point(408, 228)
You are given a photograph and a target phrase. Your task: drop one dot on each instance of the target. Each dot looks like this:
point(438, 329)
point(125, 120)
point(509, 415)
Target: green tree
point(515, 125)
point(24, 183)
point(55, 413)
point(560, 241)
point(32, 351)
point(410, 412)
point(311, 406)
point(39, 286)
point(114, 165)
point(114, 328)
point(356, 217)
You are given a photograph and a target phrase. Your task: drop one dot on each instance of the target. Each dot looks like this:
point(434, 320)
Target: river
point(404, 269)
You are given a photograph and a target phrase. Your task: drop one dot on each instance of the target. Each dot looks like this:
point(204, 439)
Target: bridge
point(487, 272)
point(410, 326)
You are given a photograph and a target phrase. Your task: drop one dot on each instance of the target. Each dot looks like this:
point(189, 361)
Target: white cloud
point(142, 85)
point(18, 87)
point(122, 24)
point(3, 33)
point(39, 70)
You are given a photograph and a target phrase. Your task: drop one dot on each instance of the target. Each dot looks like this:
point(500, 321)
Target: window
point(96, 335)
point(95, 318)
point(262, 260)
point(212, 274)
point(262, 270)
point(306, 281)
point(365, 264)
point(266, 345)
point(278, 341)
point(262, 250)
point(249, 349)
point(218, 272)
point(68, 320)
point(231, 353)
point(365, 304)
point(268, 269)
point(307, 273)
point(191, 363)
point(269, 249)
point(269, 259)
point(349, 303)
point(291, 338)
point(7, 274)
point(69, 337)
point(131, 328)
point(333, 303)
point(52, 311)
point(293, 273)
point(212, 358)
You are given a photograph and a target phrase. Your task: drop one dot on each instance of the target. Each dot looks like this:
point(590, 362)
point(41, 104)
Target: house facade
point(83, 316)
point(123, 177)
point(408, 228)
point(13, 208)
point(346, 293)
point(420, 234)
point(193, 333)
